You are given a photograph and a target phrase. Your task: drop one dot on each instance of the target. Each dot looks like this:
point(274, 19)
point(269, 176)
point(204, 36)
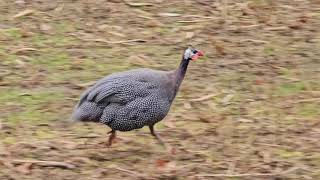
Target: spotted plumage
point(132, 99)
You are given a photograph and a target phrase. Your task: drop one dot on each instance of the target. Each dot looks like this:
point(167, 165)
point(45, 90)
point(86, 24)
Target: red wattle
point(200, 53)
point(194, 57)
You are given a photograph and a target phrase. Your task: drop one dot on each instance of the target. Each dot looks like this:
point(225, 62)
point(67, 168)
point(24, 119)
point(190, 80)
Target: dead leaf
point(220, 49)
point(59, 8)
point(280, 28)
point(154, 23)
point(103, 26)
point(20, 63)
point(173, 151)
point(24, 13)
point(227, 98)
point(81, 160)
point(6, 163)
point(25, 168)
point(161, 163)
point(187, 105)
point(25, 33)
point(169, 122)
point(20, 2)
point(45, 27)
point(206, 118)
point(189, 35)
point(245, 120)
point(259, 81)
point(117, 33)
point(295, 26)
point(169, 167)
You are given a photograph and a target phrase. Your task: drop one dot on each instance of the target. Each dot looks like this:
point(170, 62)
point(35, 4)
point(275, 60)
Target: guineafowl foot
point(111, 137)
point(157, 136)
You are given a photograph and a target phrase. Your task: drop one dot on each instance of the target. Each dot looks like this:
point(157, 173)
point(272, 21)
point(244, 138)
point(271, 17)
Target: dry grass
point(248, 110)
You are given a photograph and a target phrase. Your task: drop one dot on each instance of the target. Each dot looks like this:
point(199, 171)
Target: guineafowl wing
point(124, 94)
point(135, 114)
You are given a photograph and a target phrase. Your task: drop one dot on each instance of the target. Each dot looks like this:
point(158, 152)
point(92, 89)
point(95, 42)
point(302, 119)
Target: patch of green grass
point(308, 110)
point(314, 85)
point(269, 51)
point(2, 52)
point(29, 98)
point(6, 57)
point(160, 126)
point(29, 115)
point(7, 95)
point(261, 2)
point(291, 88)
point(286, 72)
point(13, 33)
point(53, 60)
point(43, 40)
point(287, 119)
point(35, 105)
point(44, 134)
point(9, 140)
point(290, 154)
point(64, 27)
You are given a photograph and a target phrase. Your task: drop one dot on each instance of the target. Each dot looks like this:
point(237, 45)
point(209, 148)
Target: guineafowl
point(133, 99)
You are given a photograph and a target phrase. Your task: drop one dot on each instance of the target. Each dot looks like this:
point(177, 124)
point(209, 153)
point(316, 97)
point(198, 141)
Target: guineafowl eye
point(192, 54)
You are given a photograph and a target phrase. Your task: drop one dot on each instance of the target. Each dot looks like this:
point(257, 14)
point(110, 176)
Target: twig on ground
point(254, 41)
point(307, 100)
point(131, 172)
point(194, 21)
point(136, 4)
point(24, 13)
point(201, 17)
point(110, 42)
point(280, 28)
point(45, 163)
point(23, 50)
point(169, 14)
point(224, 5)
point(272, 145)
point(86, 84)
point(239, 28)
point(203, 98)
point(251, 174)
point(88, 136)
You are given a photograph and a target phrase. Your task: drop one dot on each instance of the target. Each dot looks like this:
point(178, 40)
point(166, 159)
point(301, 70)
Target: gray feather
point(127, 100)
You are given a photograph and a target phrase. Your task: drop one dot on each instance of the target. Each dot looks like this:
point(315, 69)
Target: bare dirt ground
point(248, 110)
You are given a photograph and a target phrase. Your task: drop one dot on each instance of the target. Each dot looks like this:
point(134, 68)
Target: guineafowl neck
point(177, 77)
point(181, 72)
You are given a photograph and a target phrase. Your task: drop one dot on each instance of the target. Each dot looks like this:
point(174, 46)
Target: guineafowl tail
point(87, 111)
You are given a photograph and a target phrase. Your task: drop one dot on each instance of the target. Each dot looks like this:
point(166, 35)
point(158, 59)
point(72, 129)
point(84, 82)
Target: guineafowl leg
point(156, 135)
point(111, 137)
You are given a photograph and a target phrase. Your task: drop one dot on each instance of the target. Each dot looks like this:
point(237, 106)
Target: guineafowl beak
point(200, 53)
point(197, 55)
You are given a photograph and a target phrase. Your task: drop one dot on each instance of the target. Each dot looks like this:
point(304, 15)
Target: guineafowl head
point(192, 54)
